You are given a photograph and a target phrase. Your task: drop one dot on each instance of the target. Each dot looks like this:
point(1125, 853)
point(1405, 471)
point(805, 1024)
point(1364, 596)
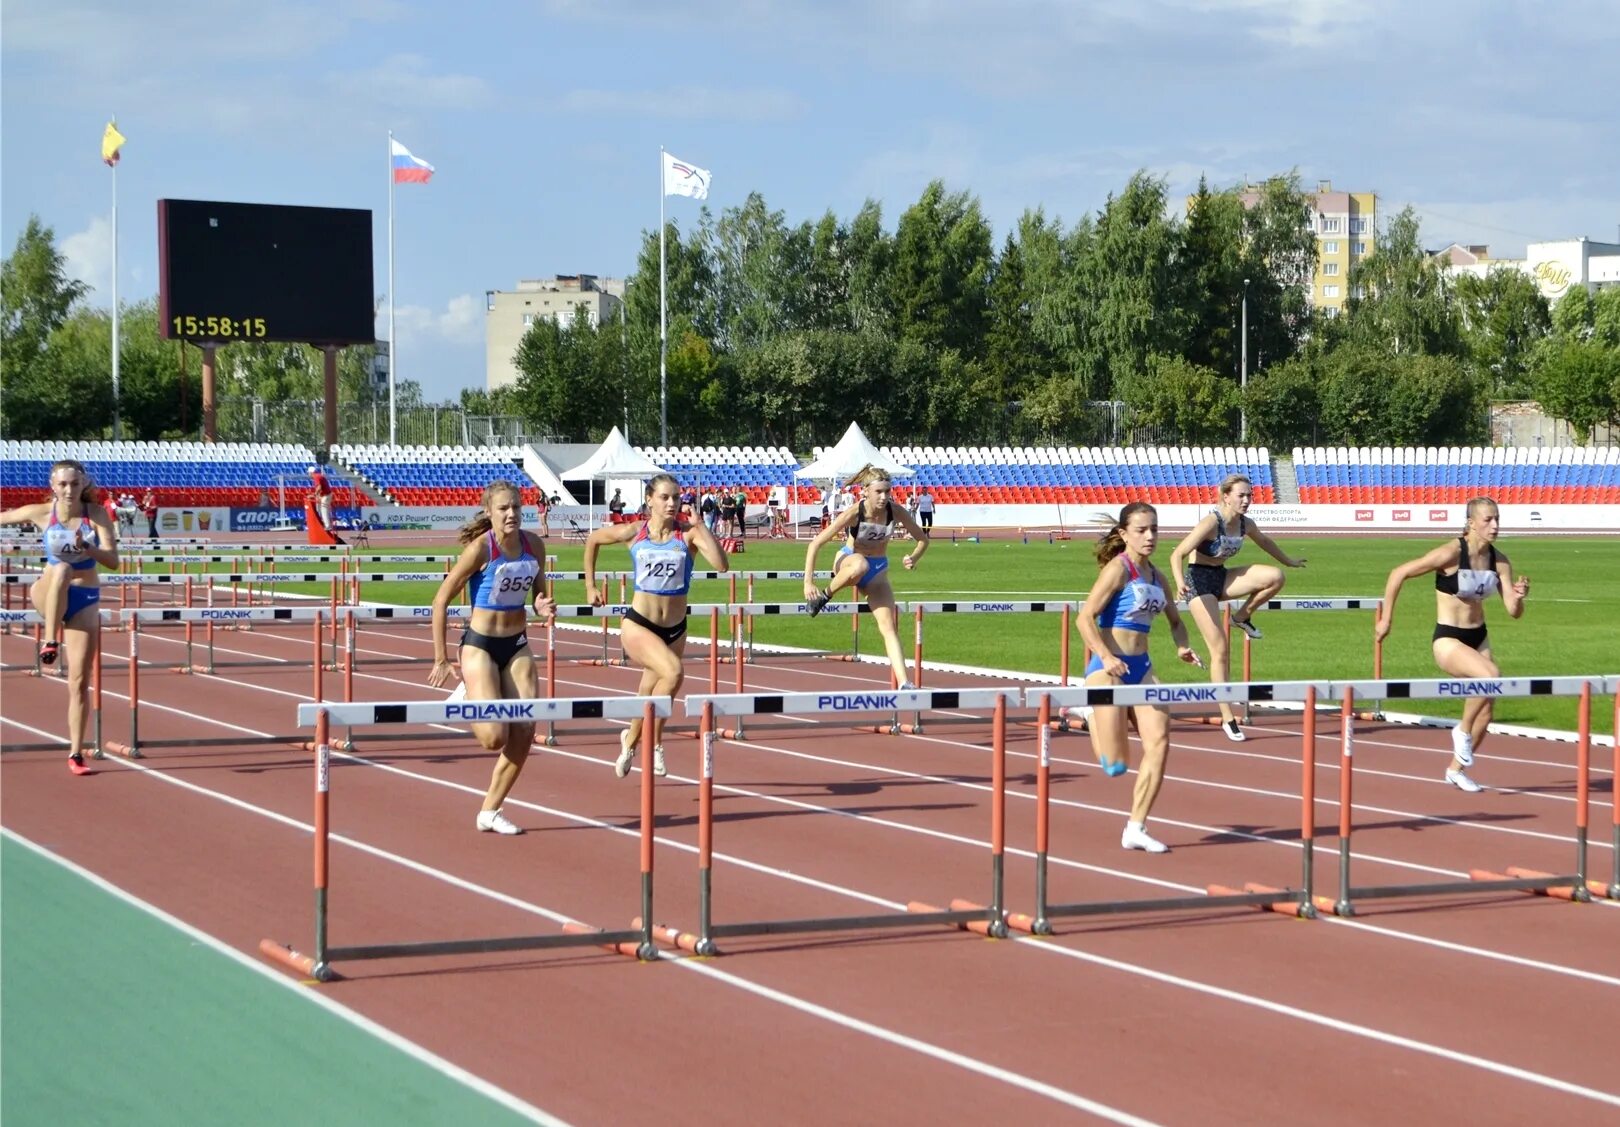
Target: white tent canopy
point(614, 460)
point(853, 452)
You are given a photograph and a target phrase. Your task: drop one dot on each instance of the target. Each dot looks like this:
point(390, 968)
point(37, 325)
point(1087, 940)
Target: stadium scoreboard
point(232, 272)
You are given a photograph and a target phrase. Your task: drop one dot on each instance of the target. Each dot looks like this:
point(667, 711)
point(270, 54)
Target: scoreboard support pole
point(329, 365)
point(209, 419)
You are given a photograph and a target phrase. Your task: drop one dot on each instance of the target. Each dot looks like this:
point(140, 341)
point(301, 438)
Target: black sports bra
point(1471, 585)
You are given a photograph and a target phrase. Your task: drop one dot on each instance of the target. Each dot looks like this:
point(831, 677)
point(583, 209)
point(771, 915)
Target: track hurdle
point(1301, 901)
point(636, 941)
point(987, 920)
point(1570, 886)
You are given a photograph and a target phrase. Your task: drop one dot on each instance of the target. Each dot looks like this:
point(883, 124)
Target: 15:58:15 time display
point(219, 328)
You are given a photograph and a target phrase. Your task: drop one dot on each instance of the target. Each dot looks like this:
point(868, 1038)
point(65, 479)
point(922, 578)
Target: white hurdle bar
point(636, 941)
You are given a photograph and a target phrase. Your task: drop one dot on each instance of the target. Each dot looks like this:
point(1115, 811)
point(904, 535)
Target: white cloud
point(691, 102)
point(461, 321)
point(407, 81)
point(89, 258)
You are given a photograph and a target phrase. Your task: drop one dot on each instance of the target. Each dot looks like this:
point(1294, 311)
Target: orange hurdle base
point(1017, 921)
point(1593, 887)
point(297, 962)
point(674, 936)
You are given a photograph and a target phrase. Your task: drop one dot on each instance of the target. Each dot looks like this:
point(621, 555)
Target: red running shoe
point(78, 766)
point(47, 653)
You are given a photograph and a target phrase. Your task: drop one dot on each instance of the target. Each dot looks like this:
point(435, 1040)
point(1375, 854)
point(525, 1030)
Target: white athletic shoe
point(1249, 628)
point(658, 761)
point(1137, 837)
point(1462, 782)
point(493, 821)
point(906, 687)
point(627, 755)
point(1233, 731)
point(458, 693)
point(1462, 745)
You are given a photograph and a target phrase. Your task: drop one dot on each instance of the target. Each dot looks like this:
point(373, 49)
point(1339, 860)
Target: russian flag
point(408, 169)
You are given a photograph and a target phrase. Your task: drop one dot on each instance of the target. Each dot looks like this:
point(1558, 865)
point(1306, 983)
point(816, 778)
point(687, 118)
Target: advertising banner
point(262, 520)
point(204, 519)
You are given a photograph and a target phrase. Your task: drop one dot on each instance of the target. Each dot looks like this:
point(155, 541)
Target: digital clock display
point(264, 272)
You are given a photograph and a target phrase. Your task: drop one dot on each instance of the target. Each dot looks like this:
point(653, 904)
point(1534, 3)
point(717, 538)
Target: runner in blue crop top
point(1118, 614)
point(863, 561)
point(1204, 581)
point(653, 631)
point(1467, 572)
point(79, 537)
point(502, 568)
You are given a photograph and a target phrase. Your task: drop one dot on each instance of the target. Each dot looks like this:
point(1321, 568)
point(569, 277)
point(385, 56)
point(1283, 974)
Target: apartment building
point(508, 314)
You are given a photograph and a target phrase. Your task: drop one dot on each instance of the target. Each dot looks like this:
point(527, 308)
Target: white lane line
point(358, 1020)
point(847, 1021)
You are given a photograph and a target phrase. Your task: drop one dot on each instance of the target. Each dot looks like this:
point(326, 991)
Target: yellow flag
point(111, 142)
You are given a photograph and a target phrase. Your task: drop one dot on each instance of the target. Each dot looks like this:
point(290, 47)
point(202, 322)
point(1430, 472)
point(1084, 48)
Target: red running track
point(1488, 1007)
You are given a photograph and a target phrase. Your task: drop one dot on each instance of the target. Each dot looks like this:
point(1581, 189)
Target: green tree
point(1579, 381)
point(1015, 361)
point(1574, 316)
point(1606, 317)
point(869, 273)
point(1399, 301)
point(1192, 402)
point(1128, 283)
point(1279, 259)
point(941, 271)
point(1355, 387)
point(1284, 404)
point(36, 297)
point(1504, 318)
point(1433, 401)
point(1211, 279)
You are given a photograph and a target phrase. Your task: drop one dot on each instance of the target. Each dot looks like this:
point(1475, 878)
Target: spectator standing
point(709, 510)
point(322, 488)
point(149, 506)
point(742, 513)
point(925, 508)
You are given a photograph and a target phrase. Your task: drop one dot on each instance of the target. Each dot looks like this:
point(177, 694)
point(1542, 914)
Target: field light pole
point(1243, 370)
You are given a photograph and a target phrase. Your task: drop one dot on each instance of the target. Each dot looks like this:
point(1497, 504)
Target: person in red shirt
point(323, 494)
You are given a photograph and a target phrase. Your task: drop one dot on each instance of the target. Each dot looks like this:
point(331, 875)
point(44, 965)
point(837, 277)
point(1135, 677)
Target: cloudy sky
point(1496, 120)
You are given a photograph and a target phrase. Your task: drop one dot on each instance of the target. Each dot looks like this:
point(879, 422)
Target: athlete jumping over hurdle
point(67, 596)
point(1119, 612)
point(863, 561)
point(503, 565)
point(1467, 571)
point(1203, 580)
point(653, 631)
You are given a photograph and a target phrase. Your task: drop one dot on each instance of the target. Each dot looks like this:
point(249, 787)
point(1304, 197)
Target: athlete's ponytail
point(1112, 542)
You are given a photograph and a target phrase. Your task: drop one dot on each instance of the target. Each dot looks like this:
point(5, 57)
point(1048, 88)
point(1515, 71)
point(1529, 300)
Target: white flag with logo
point(682, 179)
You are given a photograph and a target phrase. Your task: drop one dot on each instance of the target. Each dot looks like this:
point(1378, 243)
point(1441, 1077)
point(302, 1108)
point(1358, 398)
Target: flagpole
point(663, 339)
point(118, 420)
point(392, 419)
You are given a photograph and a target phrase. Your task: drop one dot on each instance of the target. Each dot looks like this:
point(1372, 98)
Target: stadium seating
point(180, 473)
point(436, 475)
point(754, 469)
point(1512, 475)
point(1100, 475)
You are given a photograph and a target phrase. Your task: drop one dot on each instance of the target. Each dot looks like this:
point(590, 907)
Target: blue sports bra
point(1136, 604)
point(59, 543)
point(505, 584)
point(662, 567)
